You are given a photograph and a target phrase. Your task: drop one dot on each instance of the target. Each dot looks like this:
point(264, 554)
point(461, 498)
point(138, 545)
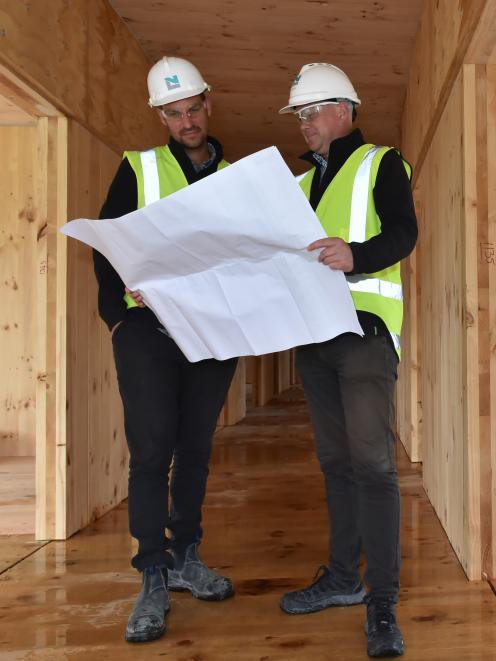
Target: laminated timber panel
point(234, 408)
point(447, 30)
point(266, 43)
point(19, 228)
point(408, 419)
point(448, 325)
point(97, 452)
point(50, 322)
point(80, 56)
point(481, 133)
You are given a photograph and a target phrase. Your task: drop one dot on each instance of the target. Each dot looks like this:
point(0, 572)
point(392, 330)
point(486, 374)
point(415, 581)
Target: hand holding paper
point(224, 264)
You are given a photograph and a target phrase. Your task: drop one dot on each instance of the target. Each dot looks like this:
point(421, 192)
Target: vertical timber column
point(50, 318)
point(484, 264)
point(474, 204)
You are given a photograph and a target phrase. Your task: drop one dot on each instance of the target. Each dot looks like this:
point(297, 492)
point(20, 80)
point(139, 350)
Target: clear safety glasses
point(310, 113)
point(177, 116)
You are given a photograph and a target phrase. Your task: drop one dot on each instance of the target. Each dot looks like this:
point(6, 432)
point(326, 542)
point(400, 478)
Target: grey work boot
point(191, 573)
point(321, 594)
point(384, 638)
point(147, 619)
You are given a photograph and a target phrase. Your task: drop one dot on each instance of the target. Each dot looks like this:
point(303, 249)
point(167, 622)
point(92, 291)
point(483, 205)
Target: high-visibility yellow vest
point(158, 174)
point(347, 210)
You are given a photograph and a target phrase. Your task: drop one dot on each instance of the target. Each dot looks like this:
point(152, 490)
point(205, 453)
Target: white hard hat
point(317, 82)
point(172, 79)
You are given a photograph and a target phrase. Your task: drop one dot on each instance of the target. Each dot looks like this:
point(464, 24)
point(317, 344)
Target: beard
point(192, 138)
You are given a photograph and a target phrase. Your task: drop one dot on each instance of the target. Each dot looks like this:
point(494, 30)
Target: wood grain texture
point(81, 58)
point(250, 52)
point(266, 527)
point(448, 36)
point(97, 451)
point(456, 320)
point(408, 421)
point(234, 408)
point(21, 221)
point(51, 319)
point(17, 496)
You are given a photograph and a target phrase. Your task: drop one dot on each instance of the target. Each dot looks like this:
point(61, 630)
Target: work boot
point(384, 637)
point(191, 573)
point(322, 593)
point(147, 619)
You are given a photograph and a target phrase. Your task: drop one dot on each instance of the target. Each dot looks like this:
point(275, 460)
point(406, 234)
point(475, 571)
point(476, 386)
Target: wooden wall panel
point(449, 132)
point(80, 56)
point(481, 132)
point(18, 277)
point(49, 316)
point(408, 421)
point(234, 408)
point(446, 32)
point(97, 453)
point(451, 319)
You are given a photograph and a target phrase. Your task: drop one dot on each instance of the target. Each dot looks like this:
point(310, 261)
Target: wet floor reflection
point(266, 526)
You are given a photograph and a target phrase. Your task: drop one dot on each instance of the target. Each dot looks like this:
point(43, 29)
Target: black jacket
point(394, 206)
point(122, 198)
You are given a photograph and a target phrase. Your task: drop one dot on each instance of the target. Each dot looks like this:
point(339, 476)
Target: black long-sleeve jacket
point(122, 198)
point(394, 205)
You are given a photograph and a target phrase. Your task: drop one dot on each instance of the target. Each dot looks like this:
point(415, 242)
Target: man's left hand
point(336, 253)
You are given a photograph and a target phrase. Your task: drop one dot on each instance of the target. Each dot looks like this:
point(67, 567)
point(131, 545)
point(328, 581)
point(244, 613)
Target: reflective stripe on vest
point(158, 174)
point(346, 210)
point(375, 286)
point(359, 198)
point(151, 181)
point(358, 225)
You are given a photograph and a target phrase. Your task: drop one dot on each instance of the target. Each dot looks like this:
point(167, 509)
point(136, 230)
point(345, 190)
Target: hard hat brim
point(179, 96)
point(286, 110)
point(307, 102)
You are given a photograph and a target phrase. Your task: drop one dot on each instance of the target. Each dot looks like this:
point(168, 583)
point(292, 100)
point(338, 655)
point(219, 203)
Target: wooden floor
point(17, 495)
point(265, 526)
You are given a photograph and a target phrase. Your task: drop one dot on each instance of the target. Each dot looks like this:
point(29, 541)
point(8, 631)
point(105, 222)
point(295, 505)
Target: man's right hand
point(138, 298)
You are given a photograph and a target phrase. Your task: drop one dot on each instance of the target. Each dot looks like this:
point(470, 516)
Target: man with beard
point(171, 406)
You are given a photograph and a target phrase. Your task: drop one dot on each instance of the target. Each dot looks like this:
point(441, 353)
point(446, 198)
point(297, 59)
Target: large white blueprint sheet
point(223, 262)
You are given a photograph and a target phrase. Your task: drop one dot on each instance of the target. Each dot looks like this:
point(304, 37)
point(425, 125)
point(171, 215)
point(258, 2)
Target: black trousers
point(171, 407)
point(349, 385)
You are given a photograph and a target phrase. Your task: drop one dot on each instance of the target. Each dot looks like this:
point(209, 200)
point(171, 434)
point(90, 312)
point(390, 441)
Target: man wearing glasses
point(171, 406)
point(362, 197)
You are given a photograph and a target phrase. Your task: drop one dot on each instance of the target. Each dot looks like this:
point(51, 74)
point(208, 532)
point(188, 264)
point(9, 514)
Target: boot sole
point(352, 600)
point(385, 653)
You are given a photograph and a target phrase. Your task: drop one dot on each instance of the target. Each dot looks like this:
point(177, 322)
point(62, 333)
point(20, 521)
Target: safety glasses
point(310, 113)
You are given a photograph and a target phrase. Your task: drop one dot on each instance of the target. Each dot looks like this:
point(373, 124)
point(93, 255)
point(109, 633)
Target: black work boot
point(191, 573)
point(322, 593)
point(147, 619)
point(384, 637)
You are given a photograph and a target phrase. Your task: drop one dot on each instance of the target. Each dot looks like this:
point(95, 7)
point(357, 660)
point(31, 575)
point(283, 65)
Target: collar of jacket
point(182, 158)
point(339, 151)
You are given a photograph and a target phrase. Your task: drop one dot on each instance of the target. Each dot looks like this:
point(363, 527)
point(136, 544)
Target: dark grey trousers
point(349, 384)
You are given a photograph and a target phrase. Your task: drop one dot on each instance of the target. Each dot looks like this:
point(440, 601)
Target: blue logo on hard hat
point(296, 80)
point(172, 82)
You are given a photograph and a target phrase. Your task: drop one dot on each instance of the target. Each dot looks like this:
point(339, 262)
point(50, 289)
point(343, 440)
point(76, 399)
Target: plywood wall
point(445, 332)
point(18, 277)
point(446, 32)
point(480, 129)
point(80, 56)
point(97, 452)
point(49, 318)
point(448, 389)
